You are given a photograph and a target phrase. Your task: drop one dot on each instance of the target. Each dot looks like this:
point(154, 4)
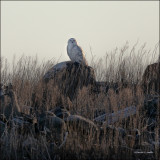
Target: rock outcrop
point(151, 78)
point(70, 77)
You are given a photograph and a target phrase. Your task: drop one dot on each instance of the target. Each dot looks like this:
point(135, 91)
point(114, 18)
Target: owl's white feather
point(75, 52)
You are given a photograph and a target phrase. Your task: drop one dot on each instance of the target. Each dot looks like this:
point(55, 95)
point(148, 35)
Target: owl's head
point(72, 41)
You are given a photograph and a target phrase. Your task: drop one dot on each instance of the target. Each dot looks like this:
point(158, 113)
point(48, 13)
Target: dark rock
point(151, 79)
point(52, 126)
point(70, 77)
point(150, 109)
point(55, 128)
point(150, 105)
point(55, 123)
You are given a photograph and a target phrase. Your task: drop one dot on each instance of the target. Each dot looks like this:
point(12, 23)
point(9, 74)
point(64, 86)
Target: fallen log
point(114, 117)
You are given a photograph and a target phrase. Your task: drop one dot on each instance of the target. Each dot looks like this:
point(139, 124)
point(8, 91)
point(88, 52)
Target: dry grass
point(123, 67)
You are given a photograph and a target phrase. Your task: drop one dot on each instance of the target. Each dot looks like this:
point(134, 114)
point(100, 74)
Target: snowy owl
point(75, 52)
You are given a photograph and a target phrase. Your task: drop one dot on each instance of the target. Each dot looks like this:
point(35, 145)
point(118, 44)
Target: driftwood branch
point(114, 117)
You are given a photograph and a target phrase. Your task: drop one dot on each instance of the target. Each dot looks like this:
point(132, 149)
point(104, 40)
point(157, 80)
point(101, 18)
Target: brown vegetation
point(74, 134)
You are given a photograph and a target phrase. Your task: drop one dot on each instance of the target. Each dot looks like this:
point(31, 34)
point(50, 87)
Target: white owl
point(75, 52)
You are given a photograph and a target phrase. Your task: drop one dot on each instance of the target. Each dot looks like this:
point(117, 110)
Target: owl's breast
point(71, 53)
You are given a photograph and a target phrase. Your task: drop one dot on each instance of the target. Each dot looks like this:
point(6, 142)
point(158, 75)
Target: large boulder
point(151, 79)
point(55, 128)
point(52, 126)
point(70, 77)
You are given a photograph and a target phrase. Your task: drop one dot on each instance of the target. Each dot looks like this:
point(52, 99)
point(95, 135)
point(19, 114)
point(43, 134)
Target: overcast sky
point(43, 28)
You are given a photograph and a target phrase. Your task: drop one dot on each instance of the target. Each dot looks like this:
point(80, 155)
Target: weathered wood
point(114, 117)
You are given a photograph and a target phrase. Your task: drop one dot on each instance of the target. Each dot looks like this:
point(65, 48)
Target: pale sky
point(43, 28)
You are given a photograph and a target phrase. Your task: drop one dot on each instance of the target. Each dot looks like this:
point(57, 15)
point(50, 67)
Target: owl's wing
point(79, 54)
